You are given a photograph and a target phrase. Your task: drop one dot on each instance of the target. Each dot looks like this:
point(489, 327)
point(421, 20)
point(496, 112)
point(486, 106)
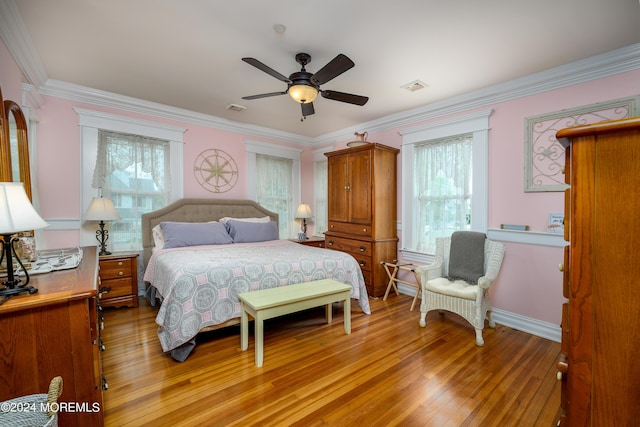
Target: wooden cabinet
point(601, 319)
point(56, 332)
point(119, 280)
point(362, 205)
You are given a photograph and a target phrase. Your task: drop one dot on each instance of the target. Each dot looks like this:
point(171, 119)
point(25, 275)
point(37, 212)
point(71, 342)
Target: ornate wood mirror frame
point(14, 145)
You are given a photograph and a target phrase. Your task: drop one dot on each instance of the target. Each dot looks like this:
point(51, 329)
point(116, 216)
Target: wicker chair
point(28, 411)
point(472, 302)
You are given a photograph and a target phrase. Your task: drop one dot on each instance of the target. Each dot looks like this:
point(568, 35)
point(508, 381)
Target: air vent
point(236, 107)
point(414, 86)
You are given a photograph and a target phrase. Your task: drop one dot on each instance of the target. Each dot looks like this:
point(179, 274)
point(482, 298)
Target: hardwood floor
point(388, 371)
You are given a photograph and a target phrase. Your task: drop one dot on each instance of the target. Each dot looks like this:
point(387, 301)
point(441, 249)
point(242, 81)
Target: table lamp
point(303, 213)
point(101, 209)
point(16, 214)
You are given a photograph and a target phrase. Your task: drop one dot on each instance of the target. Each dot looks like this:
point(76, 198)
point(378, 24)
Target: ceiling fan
point(303, 86)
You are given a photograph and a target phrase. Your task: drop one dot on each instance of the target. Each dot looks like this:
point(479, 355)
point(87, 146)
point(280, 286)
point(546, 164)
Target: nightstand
point(119, 275)
point(318, 242)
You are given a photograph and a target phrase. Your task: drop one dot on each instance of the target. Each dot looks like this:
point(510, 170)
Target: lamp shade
point(304, 211)
point(303, 94)
point(16, 211)
point(101, 209)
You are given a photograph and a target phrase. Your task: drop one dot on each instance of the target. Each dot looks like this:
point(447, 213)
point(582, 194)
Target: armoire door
point(338, 183)
point(360, 187)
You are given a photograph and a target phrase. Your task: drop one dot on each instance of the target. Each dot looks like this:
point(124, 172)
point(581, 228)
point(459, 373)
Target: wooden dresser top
point(60, 286)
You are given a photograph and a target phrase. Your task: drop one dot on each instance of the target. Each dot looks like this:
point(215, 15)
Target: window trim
point(318, 156)
point(90, 122)
point(476, 123)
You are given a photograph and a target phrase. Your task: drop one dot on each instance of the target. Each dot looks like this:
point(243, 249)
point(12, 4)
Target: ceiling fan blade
point(307, 109)
point(344, 97)
point(260, 66)
point(264, 95)
point(333, 69)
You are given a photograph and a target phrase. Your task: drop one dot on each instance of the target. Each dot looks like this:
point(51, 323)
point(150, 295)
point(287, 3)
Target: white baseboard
point(529, 325)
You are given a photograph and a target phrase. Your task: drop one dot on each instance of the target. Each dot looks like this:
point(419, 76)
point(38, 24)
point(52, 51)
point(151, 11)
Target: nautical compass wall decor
point(215, 171)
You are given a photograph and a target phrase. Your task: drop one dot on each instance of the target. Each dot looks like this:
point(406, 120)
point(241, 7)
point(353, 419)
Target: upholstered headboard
point(198, 210)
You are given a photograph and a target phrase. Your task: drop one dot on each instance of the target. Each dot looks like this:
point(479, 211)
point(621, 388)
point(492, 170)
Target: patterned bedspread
point(199, 285)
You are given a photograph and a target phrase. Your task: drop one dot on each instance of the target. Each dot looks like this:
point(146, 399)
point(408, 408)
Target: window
point(442, 189)
point(135, 186)
point(273, 192)
point(444, 181)
point(134, 172)
point(273, 181)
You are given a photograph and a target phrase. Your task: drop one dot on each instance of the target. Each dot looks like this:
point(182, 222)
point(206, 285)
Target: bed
point(196, 283)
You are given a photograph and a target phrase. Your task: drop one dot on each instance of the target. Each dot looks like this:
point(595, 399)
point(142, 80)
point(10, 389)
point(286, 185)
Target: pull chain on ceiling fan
point(303, 87)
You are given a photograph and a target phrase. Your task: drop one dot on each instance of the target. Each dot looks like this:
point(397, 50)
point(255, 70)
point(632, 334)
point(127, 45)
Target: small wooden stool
point(406, 266)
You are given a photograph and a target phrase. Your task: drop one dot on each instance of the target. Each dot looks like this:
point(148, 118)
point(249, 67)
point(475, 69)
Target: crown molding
point(600, 66)
point(18, 41)
point(102, 98)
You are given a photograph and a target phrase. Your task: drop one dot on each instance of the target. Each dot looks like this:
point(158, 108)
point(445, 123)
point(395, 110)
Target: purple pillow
point(180, 234)
point(247, 232)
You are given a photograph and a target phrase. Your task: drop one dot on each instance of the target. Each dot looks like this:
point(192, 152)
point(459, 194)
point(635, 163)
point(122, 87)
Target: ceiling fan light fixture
point(303, 94)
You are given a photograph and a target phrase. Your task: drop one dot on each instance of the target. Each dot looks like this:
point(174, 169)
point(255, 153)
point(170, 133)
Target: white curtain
point(132, 155)
point(275, 190)
point(320, 212)
point(133, 171)
point(443, 189)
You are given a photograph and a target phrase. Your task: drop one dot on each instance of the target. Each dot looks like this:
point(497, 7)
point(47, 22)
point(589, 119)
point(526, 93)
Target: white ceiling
point(188, 54)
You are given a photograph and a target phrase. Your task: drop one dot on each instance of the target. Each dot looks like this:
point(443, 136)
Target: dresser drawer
point(566, 267)
point(360, 250)
point(353, 229)
point(348, 245)
point(113, 269)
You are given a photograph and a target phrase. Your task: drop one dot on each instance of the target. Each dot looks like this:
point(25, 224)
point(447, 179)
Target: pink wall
point(58, 178)
point(529, 283)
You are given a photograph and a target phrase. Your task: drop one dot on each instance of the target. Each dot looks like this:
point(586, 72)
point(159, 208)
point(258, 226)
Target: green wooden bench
point(269, 303)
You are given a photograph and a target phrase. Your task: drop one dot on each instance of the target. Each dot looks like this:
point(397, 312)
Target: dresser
point(598, 364)
point(56, 332)
point(119, 280)
point(362, 208)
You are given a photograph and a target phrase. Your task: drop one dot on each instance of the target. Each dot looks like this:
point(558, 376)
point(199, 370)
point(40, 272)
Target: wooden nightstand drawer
point(119, 275)
point(317, 242)
point(115, 269)
point(117, 288)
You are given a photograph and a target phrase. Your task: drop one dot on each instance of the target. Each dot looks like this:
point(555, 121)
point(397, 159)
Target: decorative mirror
point(4, 156)
point(14, 146)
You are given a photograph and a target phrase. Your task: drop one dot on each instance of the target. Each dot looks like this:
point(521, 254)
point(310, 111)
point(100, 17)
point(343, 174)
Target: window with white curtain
point(442, 189)
point(134, 172)
point(444, 181)
point(273, 181)
point(273, 192)
point(143, 171)
point(320, 212)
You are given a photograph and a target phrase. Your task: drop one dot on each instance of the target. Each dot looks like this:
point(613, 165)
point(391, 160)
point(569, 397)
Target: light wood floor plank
point(388, 371)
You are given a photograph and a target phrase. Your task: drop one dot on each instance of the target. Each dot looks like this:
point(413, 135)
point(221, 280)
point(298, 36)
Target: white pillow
point(263, 219)
point(158, 238)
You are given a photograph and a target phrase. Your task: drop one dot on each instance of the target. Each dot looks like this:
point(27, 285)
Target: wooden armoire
point(598, 364)
point(362, 205)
